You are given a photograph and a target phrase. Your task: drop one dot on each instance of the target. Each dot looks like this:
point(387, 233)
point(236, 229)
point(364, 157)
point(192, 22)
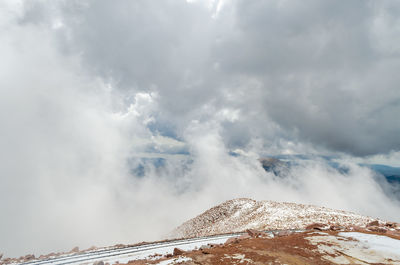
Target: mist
point(91, 89)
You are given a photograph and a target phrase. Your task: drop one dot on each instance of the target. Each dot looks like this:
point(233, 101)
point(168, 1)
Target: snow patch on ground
point(168, 249)
point(152, 251)
point(377, 243)
point(350, 247)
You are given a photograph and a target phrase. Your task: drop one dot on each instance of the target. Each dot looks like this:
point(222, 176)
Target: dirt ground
point(295, 248)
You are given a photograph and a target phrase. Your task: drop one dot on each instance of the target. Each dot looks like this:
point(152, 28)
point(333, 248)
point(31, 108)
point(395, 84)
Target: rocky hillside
point(241, 214)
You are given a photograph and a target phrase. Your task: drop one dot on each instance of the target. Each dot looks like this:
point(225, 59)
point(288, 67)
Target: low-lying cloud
point(91, 88)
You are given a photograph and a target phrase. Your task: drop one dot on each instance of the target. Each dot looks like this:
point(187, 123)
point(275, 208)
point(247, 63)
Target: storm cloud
point(322, 72)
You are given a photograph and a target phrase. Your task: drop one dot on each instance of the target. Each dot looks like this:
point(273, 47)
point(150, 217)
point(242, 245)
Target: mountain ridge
point(240, 214)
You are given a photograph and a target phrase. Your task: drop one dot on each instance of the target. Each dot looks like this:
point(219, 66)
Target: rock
point(377, 229)
point(317, 226)
point(75, 249)
point(100, 262)
point(373, 223)
point(233, 240)
point(205, 252)
point(253, 232)
point(29, 257)
point(205, 247)
point(336, 228)
point(394, 234)
point(119, 245)
point(168, 256)
point(178, 251)
point(1, 255)
point(357, 228)
point(391, 225)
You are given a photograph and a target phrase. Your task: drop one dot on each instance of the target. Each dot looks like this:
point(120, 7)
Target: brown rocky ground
point(321, 244)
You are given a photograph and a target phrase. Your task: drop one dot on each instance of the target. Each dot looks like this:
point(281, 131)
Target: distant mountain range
point(279, 165)
point(282, 163)
point(392, 174)
point(386, 176)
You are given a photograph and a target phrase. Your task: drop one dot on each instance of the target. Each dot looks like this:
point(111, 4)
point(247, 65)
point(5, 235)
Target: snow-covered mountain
point(241, 214)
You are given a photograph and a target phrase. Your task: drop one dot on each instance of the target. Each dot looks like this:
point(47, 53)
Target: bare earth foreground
point(310, 247)
point(252, 232)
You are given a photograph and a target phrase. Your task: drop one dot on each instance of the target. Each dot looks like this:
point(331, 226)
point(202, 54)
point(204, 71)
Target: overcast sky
point(88, 87)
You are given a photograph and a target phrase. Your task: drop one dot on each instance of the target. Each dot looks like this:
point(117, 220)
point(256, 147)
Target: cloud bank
point(88, 89)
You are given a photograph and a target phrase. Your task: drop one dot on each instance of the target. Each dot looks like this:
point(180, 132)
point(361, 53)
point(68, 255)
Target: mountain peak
point(240, 214)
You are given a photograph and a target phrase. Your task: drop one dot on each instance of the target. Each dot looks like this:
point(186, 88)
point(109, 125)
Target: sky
point(91, 89)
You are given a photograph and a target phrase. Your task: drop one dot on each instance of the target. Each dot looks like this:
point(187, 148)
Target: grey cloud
point(91, 85)
point(278, 37)
point(323, 73)
point(137, 44)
